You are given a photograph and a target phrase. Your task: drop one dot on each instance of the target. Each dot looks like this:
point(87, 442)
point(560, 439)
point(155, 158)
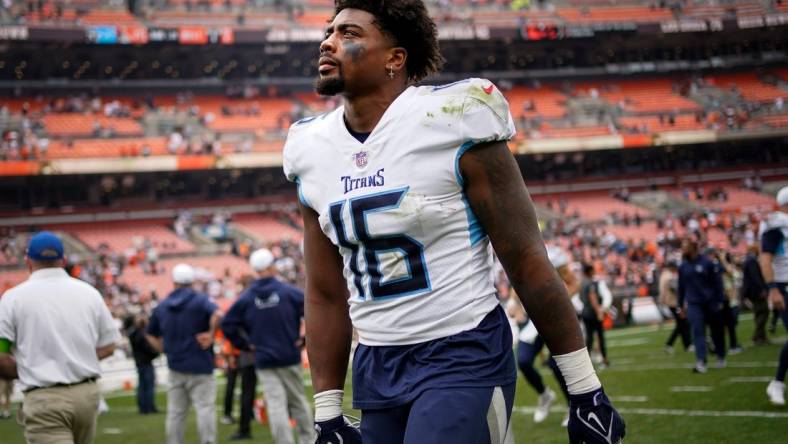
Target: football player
point(403, 191)
point(774, 266)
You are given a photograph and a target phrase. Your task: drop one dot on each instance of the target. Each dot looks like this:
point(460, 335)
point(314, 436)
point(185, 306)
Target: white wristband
point(578, 372)
point(328, 405)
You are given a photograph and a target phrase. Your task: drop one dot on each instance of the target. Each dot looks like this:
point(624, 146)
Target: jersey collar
point(46, 273)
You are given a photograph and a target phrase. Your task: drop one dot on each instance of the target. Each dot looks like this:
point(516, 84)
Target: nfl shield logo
point(361, 158)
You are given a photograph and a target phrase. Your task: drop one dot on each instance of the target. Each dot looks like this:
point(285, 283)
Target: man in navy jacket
point(701, 299)
point(266, 319)
point(182, 327)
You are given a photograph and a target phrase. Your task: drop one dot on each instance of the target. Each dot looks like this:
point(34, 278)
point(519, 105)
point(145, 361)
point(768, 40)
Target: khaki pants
point(283, 390)
point(6, 390)
point(185, 390)
point(61, 415)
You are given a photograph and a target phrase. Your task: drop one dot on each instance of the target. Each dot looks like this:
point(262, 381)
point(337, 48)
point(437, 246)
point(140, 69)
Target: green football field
point(659, 397)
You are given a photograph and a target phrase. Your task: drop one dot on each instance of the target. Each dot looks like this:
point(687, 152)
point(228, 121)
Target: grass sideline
point(661, 400)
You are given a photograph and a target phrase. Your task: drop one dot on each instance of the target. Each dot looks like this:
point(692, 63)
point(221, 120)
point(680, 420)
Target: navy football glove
point(593, 420)
point(337, 431)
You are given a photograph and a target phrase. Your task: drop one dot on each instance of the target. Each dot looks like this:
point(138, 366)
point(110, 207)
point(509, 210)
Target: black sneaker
point(241, 436)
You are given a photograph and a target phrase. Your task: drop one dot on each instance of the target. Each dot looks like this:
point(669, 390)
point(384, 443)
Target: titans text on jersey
point(416, 260)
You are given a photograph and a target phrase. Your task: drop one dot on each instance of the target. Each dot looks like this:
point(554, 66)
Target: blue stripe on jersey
point(475, 229)
point(391, 376)
point(301, 196)
point(449, 85)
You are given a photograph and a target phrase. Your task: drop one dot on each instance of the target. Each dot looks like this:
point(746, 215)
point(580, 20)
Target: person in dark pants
point(730, 308)
point(230, 355)
point(144, 354)
point(248, 387)
point(754, 290)
point(701, 298)
point(668, 282)
point(241, 364)
point(592, 312)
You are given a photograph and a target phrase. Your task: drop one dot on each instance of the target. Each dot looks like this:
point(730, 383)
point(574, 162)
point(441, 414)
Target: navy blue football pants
point(475, 415)
point(701, 315)
point(526, 358)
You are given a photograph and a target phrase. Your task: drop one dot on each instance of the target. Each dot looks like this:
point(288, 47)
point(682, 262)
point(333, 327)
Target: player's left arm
point(8, 368)
point(496, 192)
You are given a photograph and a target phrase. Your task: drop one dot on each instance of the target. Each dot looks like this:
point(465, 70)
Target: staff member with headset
point(266, 319)
point(60, 329)
point(182, 327)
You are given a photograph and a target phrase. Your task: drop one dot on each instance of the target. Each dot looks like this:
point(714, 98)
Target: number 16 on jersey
point(369, 248)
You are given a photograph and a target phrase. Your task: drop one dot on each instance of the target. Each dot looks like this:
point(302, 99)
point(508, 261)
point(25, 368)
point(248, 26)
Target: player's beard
point(330, 86)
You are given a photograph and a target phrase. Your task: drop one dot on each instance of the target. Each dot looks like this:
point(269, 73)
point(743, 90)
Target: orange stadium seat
point(108, 17)
point(266, 228)
point(774, 121)
point(593, 206)
point(683, 122)
point(614, 14)
point(86, 148)
point(749, 86)
point(218, 266)
point(740, 200)
point(548, 103)
point(80, 125)
point(549, 132)
point(120, 237)
point(641, 96)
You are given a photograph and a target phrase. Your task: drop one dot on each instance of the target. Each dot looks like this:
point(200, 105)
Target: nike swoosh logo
point(592, 417)
point(488, 90)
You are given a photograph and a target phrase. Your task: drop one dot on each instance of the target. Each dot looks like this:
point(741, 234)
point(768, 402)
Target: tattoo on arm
point(497, 195)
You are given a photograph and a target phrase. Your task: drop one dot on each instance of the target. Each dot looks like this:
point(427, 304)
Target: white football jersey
point(417, 262)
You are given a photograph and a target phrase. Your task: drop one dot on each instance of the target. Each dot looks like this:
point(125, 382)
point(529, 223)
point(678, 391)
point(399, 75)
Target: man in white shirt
point(59, 329)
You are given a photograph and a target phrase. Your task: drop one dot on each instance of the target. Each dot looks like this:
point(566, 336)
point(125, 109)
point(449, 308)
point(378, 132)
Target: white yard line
point(741, 379)
point(688, 366)
point(629, 398)
point(674, 412)
point(691, 389)
point(633, 342)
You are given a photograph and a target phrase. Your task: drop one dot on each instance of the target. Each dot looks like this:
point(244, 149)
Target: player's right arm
point(770, 242)
point(328, 327)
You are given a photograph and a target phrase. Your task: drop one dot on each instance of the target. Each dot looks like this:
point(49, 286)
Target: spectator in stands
point(267, 319)
point(183, 328)
point(754, 289)
point(144, 354)
point(668, 285)
point(701, 296)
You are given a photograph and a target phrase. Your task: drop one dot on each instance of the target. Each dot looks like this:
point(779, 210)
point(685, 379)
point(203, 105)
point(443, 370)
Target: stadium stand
point(267, 229)
point(128, 237)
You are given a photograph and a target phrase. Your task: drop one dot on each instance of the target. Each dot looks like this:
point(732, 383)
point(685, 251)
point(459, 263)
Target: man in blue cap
point(75, 331)
point(182, 327)
point(266, 319)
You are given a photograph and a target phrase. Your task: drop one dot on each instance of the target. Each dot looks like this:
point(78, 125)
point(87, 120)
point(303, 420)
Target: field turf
point(661, 400)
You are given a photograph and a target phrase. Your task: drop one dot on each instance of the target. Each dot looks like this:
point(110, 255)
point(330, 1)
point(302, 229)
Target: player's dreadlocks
point(409, 25)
